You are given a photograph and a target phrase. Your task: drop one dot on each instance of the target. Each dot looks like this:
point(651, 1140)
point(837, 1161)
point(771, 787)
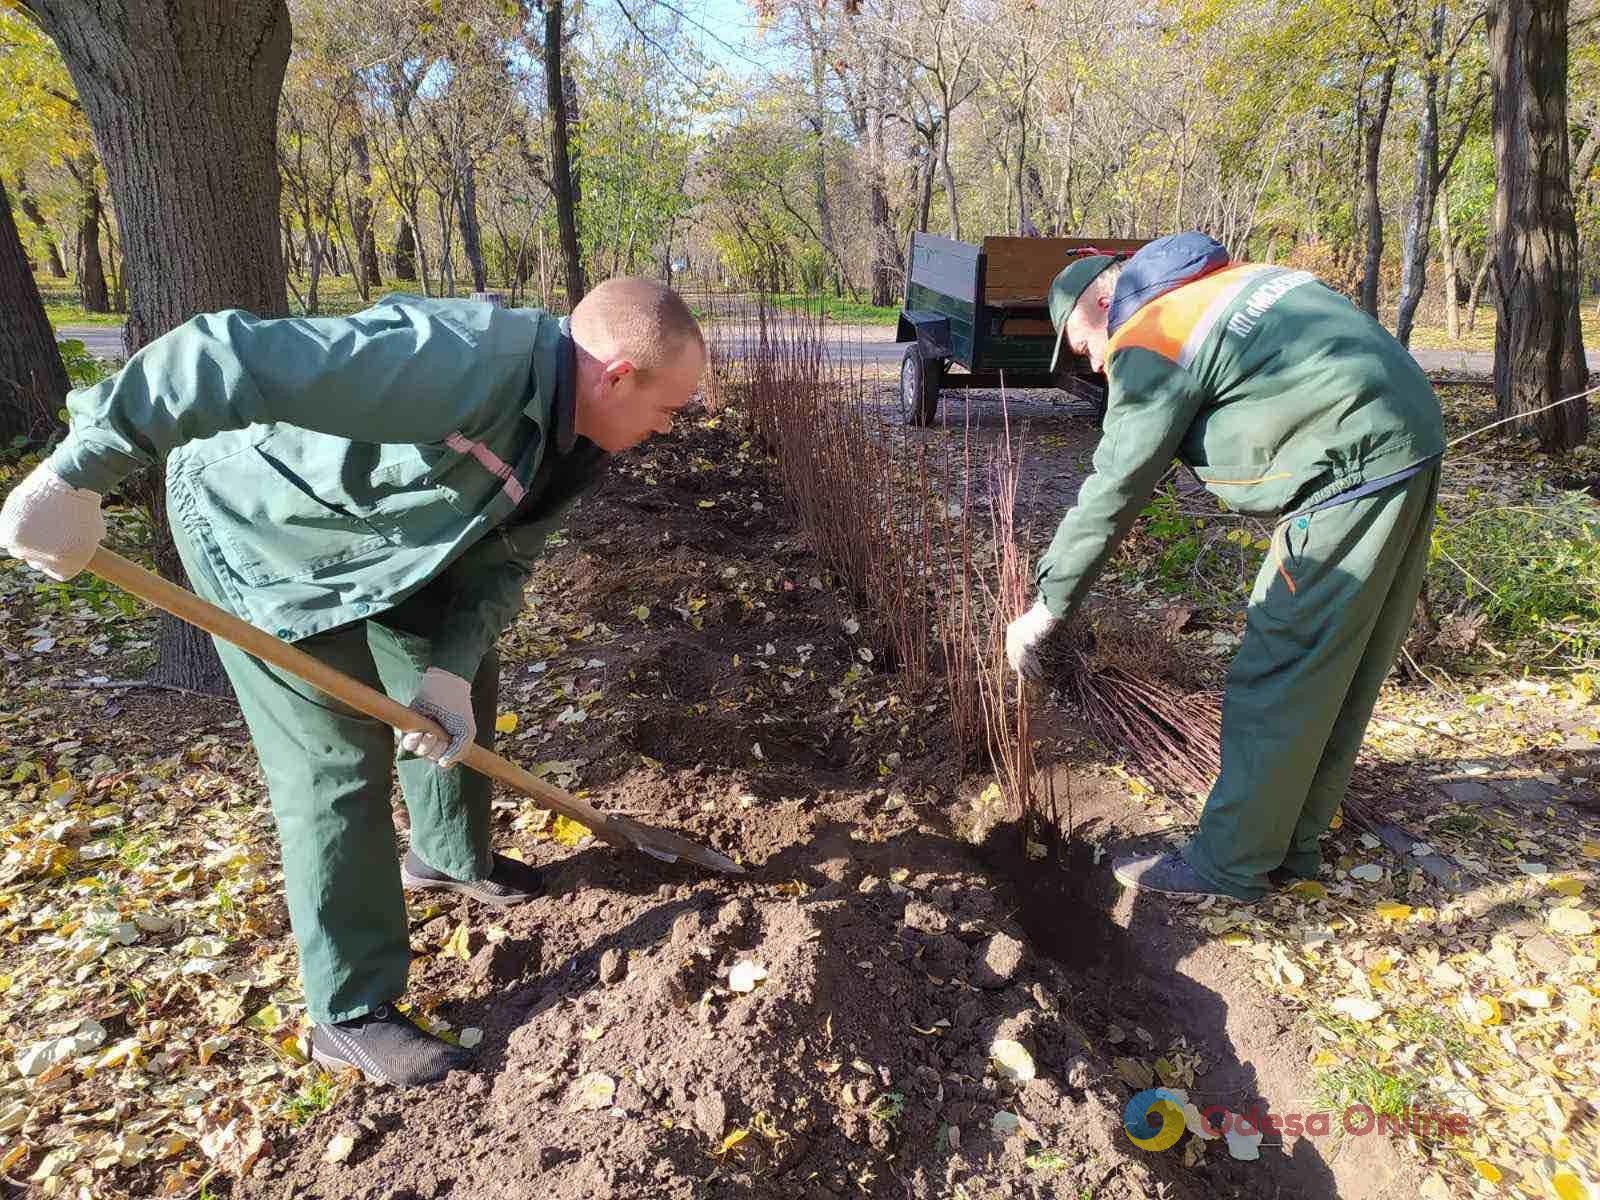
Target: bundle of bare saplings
point(897, 514)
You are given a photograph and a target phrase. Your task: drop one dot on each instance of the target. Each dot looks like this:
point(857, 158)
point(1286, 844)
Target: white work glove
point(51, 525)
point(447, 699)
point(1024, 637)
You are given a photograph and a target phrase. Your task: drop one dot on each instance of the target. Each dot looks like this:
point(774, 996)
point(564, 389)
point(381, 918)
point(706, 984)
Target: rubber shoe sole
point(472, 888)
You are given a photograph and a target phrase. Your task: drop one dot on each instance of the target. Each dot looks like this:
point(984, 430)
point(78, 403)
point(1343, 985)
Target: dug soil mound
point(863, 1012)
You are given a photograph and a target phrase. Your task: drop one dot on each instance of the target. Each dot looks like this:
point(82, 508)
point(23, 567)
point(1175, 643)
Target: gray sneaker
point(509, 882)
point(1167, 874)
point(387, 1048)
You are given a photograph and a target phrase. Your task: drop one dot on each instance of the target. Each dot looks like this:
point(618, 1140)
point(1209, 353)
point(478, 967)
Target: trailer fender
point(930, 330)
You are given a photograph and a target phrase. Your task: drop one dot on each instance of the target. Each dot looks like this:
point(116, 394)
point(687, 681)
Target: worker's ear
point(613, 371)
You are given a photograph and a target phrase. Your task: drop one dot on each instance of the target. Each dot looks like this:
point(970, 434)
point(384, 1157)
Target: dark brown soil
point(896, 951)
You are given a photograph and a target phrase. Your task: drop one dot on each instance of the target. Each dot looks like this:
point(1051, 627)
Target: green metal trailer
point(984, 308)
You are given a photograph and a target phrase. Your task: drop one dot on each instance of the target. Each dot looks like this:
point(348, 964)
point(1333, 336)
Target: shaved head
point(640, 320)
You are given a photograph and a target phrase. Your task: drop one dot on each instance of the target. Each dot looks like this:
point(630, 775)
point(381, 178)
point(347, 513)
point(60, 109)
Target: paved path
point(874, 344)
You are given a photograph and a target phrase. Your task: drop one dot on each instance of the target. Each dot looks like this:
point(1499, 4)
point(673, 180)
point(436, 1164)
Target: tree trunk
point(1538, 345)
point(182, 96)
point(1476, 293)
point(949, 176)
point(1373, 267)
point(30, 209)
point(365, 260)
point(471, 231)
point(559, 94)
point(1414, 248)
point(91, 270)
point(33, 383)
point(1447, 253)
point(405, 252)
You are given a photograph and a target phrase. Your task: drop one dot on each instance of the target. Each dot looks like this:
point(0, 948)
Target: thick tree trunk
point(33, 383)
point(1372, 269)
point(182, 96)
point(471, 231)
point(405, 252)
point(1538, 346)
point(561, 99)
point(30, 209)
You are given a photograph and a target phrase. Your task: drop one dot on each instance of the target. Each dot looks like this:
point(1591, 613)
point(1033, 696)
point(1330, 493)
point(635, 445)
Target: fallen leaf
point(1488, 1170)
point(594, 1091)
point(339, 1147)
point(568, 832)
point(459, 944)
point(1572, 921)
point(1358, 1008)
point(506, 722)
point(1012, 1060)
point(745, 974)
point(1246, 1147)
point(1310, 889)
point(1134, 1073)
point(1367, 872)
point(733, 1139)
point(1390, 911)
point(470, 1037)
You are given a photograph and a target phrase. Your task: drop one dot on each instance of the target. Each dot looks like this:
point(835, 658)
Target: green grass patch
point(316, 1097)
point(845, 311)
point(1533, 569)
point(1362, 1083)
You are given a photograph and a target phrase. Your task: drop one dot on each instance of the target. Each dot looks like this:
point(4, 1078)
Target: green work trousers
point(330, 774)
point(1328, 615)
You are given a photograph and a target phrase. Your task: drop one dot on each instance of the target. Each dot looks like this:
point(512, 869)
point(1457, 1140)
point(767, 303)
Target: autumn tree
point(182, 96)
point(33, 383)
point(1538, 350)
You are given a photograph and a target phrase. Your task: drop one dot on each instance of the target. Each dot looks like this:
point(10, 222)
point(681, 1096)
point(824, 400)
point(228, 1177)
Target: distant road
point(874, 344)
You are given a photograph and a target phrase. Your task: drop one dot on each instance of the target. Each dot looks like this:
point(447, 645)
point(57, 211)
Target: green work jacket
point(325, 468)
point(1275, 389)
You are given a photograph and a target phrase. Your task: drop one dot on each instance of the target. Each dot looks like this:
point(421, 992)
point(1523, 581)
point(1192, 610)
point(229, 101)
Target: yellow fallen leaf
point(1310, 889)
point(732, 1140)
point(458, 946)
point(293, 1046)
point(1571, 920)
point(13, 1156)
point(1488, 1170)
point(506, 722)
point(1390, 911)
point(568, 832)
point(1568, 1186)
point(1235, 937)
point(1567, 886)
point(1591, 849)
point(1482, 1010)
point(643, 614)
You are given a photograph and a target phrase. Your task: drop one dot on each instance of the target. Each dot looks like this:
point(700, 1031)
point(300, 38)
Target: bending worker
point(375, 489)
point(1289, 402)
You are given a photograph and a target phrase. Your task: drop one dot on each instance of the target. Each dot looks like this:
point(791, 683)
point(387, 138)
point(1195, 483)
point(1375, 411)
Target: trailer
point(985, 309)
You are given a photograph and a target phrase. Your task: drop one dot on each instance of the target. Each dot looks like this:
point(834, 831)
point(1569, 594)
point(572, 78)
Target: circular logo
point(1154, 1119)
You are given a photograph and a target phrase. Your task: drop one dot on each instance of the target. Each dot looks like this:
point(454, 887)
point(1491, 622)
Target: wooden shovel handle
point(186, 606)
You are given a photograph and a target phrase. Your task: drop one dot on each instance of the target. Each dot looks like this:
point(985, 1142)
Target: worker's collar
point(564, 411)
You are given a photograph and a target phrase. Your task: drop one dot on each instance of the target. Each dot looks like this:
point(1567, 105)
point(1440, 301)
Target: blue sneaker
point(1167, 874)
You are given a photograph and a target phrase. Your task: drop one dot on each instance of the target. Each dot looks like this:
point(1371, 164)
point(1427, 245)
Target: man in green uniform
point(1287, 401)
point(375, 489)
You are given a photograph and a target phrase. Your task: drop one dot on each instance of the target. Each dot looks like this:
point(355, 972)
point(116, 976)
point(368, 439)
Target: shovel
point(186, 606)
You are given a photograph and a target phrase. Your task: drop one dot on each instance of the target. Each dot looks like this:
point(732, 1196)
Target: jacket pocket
point(278, 512)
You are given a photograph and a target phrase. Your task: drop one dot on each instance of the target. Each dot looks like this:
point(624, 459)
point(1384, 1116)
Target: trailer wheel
point(920, 377)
